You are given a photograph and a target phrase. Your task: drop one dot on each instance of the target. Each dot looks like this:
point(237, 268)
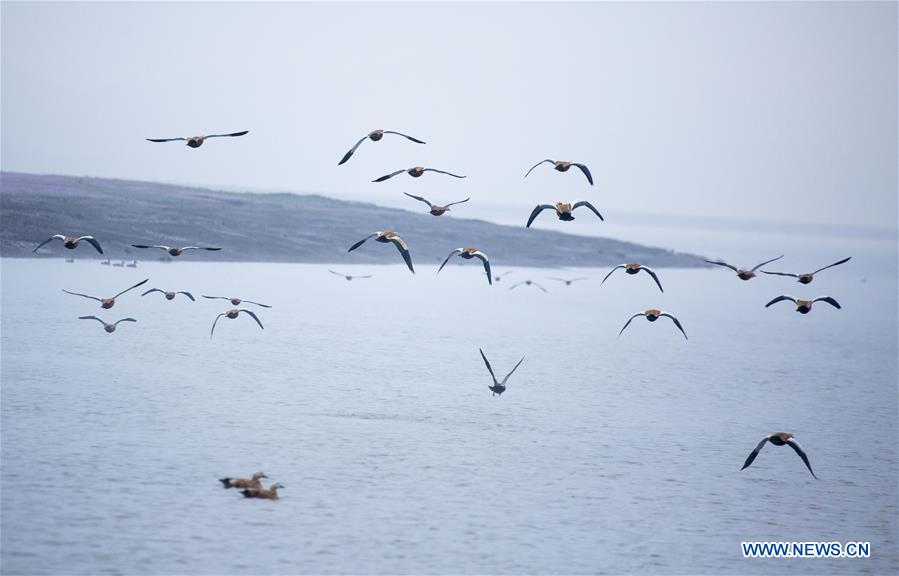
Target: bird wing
point(361, 242)
point(352, 150)
point(125, 320)
point(829, 300)
point(795, 446)
point(538, 164)
point(82, 295)
point(515, 285)
point(200, 248)
point(166, 248)
point(404, 250)
point(486, 261)
point(654, 277)
point(487, 362)
point(416, 140)
point(165, 139)
point(132, 288)
point(540, 208)
point(189, 295)
point(843, 261)
point(559, 279)
point(513, 370)
point(92, 318)
point(541, 287)
point(722, 263)
point(611, 271)
point(419, 198)
point(586, 172)
point(337, 273)
point(215, 297)
point(767, 262)
point(54, 237)
point(151, 290)
point(451, 254)
point(781, 298)
point(780, 274)
point(457, 202)
point(590, 206)
point(93, 242)
point(628, 323)
point(386, 176)
point(228, 135)
point(256, 303)
point(442, 172)
point(211, 332)
point(253, 316)
point(676, 323)
point(754, 453)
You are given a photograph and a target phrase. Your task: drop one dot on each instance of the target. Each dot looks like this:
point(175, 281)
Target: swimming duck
point(652, 315)
point(804, 306)
point(436, 210)
point(119, 264)
point(374, 136)
point(197, 141)
point(232, 314)
point(105, 262)
point(107, 303)
point(175, 250)
point(563, 166)
point(742, 273)
point(498, 387)
point(468, 254)
point(779, 439)
point(71, 242)
point(415, 172)
point(347, 276)
point(385, 236)
point(527, 283)
point(568, 281)
point(235, 301)
point(563, 211)
point(807, 277)
point(243, 482)
point(133, 264)
point(633, 269)
point(169, 295)
point(110, 328)
point(271, 493)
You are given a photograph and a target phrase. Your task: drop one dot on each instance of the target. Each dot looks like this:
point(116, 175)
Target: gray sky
point(771, 111)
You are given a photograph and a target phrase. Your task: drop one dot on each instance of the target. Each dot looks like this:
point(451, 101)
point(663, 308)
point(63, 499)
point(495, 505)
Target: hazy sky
point(774, 111)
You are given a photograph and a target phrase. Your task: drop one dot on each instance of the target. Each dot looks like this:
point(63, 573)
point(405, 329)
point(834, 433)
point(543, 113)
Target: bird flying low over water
point(436, 210)
point(804, 306)
point(270, 493)
point(176, 250)
point(498, 387)
point(234, 301)
point(563, 210)
point(197, 141)
point(71, 242)
point(652, 315)
point(527, 283)
point(374, 136)
point(347, 276)
point(633, 269)
point(232, 314)
point(779, 439)
point(742, 273)
point(568, 281)
point(563, 166)
point(499, 277)
point(107, 303)
point(468, 254)
point(169, 295)
point(385, 236)
point(807, 277)
point(110, 328)
point(244, 482)
point(415, 172)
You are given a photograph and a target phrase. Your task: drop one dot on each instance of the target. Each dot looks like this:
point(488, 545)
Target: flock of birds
point(252, 487)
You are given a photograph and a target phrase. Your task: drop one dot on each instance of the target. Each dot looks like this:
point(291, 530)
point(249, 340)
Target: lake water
point(369, 402)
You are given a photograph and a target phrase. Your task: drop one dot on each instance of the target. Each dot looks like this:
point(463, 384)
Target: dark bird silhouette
point(807, 277)
point(415, 172)
point(499, 277)
point(653, 314)
point(779, 439)
point(567, 281)
point(347, 276)
point(232, 314)
point(563, 166)
point(110, 328)
point(633, 269)
point(235, 301)
point(107, 303)
point(385, 236)
point(527, 283)
point(563, 211)
point(71, 242)
point(374, 136)
point(176, 250)
point(468, 254)
point(742, 273)
point(805, 306)
point(169, 295)
point(498, 387)
point(197, 141)
point(434, 209)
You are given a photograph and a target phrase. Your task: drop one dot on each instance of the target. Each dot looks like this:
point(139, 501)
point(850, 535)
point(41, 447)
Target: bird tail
point(226, 482)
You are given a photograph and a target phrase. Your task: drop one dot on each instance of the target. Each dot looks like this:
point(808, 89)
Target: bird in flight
point(742, 273)
point(71, 242)
point(807, 277)
point(468, 254)
point(780, 439)
point(415, 172)
point(169, 295)
point(499, 277)
point(568, 281)
point(110, 328)
point(235, 301)
point(176, 250)
point(563, 166)
point(527, 283)
point(498, 387)
point(563, 211)
point(434, 209)
point(805, 306)
point(107, 303)
point(347, 276)
point(374, 136)
point(385, 236)
point(233, 314)
point(633, 269)
point(652, 315)
point(197, 141)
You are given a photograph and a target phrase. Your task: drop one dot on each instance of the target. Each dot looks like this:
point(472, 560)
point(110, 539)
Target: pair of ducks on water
point(252, 487)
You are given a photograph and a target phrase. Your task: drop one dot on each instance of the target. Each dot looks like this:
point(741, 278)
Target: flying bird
point(652, 315)
point(71, 242)
point(499, 277)
point(169, 295)
point(197, 141)
point(110, 328)
point(436, 210)
point(235, 301)
point(498, 387)
point(779, 439)
point(176, 250)
point(563, 166)
point(374, 136)
point(271, 493)
point(563, 211)
point(804, 306)
point(807, 277)
point(385, 236)
point(347, 276)
point(244, 482)
point(527, 283)
point(415, 172)
point(107, 303)
point(633, 269)
point(742, 273)
point(468, 254)
point(233, 314)
point(568, 281)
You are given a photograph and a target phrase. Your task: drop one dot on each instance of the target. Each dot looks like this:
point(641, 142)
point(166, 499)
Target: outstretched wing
point(540, 208)
point(487, 362)
point(541, 287)
point(215, 297)
point(125, 320)
point(779, 274)
point(654, 277)
point(132, 288)
point(483, 258)
point(843, 261)
point(54, 237)
point(92, 318)
point(611, 271)
point(253, 316)
point(82, 295)
point(211, 332)
point(781, 298)
point(451, 254)
point(386, 176)
point(767, 262)
point(588, 205)
point(538, 164)
point(200, 248)
point(795, 446)
point(416, 140)
point(722, 263)
point(228, 135)
point(419, 198)
point(442, 172)
point(256, 303)
point(189, 295)
point(166, 248)
point(754, 453)
point(352, 150)
point(93, 242)
point(361, 242)
point(513, 370)
point(829, 300)
point(586, 172)
point(513, 286)
point(151, 290)
point(628, 323)
point(676, 323)
point(165, 139)
point(404, 250)
point(337, 273)
point(457, 202)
